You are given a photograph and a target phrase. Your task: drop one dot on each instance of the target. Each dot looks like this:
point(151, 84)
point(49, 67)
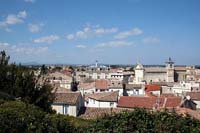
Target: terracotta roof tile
point(68, 98)
point(140, 102)
point(105, 96)
point(194, 95)
point(149, 102)
point(94, 113)
point(173, 102)
point(152, 88)
point(101, 84)
point(86, 85)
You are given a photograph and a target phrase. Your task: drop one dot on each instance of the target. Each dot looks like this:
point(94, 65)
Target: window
point(93, 101)
point(65, 109)
point(111, 104)
point(137, 91)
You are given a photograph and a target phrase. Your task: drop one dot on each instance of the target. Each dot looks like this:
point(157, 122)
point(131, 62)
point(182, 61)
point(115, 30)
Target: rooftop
point(101, 84)
point(194, 95)
point(105, 96)
point(152, 88)
point(149, 102)
point(67, 98)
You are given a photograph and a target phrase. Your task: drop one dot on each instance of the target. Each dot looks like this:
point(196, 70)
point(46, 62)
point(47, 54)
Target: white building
point(87, 87)
point(102, 100)
point(68, 103)
point(135, 89)
point(184, 87)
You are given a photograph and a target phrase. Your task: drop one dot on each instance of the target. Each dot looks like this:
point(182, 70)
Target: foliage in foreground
point(19, 82)
point(141, 120)
point(17, 116)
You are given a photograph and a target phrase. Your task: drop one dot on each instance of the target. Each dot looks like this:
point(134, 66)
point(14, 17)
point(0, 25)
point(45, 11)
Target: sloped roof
point(152, 88)
point(149, 102)
point(86, 85)
point(67, 98)
point(173, 102)
point(105, 96)
point(94, 113)
point(132, 102)
point(194, 95)
point(101, 84)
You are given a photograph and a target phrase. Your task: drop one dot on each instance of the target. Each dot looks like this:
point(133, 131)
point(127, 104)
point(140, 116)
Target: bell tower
point(139, 73)
point(170, 70)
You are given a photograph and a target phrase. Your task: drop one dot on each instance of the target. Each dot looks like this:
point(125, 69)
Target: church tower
point(139, 73)
point(170, 70)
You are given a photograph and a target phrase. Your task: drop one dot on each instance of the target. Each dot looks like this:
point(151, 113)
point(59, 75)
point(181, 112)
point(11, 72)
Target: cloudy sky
point(111, 31)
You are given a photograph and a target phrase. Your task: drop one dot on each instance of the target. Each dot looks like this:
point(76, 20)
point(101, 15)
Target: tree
point(20, 82)
point(4, 58)
point(44, 70)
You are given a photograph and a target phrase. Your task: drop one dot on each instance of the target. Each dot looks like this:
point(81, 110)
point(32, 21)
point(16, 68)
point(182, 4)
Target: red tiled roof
point(101, 84)
point(67, 98)
point(194, 95)
point(149, 102)
point(152, 88)
point(86, 85)
point(173, 102)
point(94, 113)
point(105, 96)
point(141, 102)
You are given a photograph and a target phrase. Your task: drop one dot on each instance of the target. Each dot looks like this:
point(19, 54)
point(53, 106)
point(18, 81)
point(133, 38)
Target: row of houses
point(117, 94)
point(72, 103)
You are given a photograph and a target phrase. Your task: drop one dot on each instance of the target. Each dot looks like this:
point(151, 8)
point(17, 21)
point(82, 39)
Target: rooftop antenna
point(96, 65)
point(138, 61)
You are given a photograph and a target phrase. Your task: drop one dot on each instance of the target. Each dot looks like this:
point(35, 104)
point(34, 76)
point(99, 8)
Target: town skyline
point(112, 32)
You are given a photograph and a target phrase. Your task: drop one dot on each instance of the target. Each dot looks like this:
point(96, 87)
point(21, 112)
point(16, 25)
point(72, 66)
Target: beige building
point(61, 79)
point(68, 103)
point(167, 73)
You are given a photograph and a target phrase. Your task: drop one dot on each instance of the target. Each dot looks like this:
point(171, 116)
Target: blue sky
point(111, 31)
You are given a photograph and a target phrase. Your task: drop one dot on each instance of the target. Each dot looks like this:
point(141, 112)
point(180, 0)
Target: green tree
point(19, 82)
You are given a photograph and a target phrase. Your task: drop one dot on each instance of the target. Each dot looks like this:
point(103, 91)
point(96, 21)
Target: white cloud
point(81, 46)
point(35, 27)
point(151, 40)
point(30, 1)
point(22, 14)
point(4, 44)
point(46, 39)
point(126, 34)
point(90, 31)
point(22, 49)
point(70, 37)
point(114, 44)
point(13, 19)
point(105, 31)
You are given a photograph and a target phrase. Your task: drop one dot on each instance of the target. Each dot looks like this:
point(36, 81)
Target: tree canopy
point(19, 82)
